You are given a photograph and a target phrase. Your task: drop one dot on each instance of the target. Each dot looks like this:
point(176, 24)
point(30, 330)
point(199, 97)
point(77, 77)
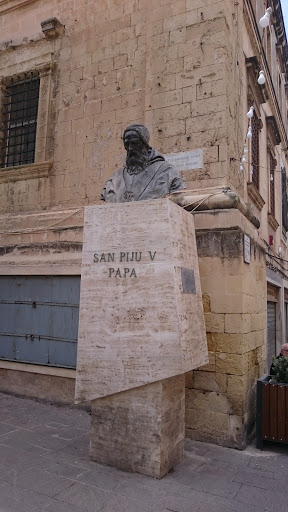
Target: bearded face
point(137, 153)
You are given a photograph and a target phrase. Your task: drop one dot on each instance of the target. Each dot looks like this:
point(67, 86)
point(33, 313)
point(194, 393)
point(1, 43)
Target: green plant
point(280, 369)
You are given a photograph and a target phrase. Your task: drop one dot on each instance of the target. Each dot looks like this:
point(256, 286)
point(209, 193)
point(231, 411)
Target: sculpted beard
point(137, 159)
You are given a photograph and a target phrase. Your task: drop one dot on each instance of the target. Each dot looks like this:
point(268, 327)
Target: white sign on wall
point(247, 248)
point(186, 160)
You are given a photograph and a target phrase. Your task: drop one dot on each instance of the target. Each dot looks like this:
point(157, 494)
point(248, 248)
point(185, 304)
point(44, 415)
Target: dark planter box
point(272, 412)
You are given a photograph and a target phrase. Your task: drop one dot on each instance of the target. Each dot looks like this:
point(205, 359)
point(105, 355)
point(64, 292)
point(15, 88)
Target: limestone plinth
point(140, 430)
point(141, 313)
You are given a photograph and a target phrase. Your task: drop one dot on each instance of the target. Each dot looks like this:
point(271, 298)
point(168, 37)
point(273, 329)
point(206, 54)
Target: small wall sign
point(186, 160)
point(247, 248)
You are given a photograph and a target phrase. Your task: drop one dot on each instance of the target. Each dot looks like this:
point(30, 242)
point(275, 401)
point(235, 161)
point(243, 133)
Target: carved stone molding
point(25, 172)
point(52, 28)
point(273, 222)
point(272, 130)
point(11, 5)
point(255, 195)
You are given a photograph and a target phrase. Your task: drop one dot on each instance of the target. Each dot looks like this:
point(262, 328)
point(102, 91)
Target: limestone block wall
point(119, 61)
point(220, 397)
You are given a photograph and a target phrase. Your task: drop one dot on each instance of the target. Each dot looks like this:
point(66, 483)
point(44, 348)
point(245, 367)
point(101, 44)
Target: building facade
point(73, 75)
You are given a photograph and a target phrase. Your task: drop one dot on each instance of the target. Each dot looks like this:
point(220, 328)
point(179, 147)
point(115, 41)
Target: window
point(284, 202)
point(19, 117)
point(272, 165)
point(255, 125)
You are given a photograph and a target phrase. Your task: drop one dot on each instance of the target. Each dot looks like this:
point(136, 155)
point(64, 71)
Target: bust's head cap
point(141, 130)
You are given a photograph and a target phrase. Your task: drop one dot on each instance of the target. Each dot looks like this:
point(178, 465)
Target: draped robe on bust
point(158, 179)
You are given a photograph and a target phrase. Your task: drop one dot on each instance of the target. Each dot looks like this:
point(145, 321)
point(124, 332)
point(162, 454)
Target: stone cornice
point(11, 5)
point(255, 195)
point(25, 172)
point(273, 222)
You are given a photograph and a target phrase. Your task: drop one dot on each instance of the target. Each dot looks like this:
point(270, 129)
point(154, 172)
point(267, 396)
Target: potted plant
point(272, 404)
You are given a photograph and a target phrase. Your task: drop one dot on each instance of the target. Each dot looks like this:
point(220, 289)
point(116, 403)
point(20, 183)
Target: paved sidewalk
point(44, 466)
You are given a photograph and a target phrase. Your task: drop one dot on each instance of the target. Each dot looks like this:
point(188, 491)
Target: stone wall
point(119, 62)
point(220, 399)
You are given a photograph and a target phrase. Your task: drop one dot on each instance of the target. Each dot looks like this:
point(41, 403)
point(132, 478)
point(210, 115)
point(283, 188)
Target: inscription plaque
point(186, 160)
point(247, 248)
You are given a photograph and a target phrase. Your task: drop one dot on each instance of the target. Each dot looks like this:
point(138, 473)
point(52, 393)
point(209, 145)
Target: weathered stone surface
point(136, 324)
point(142, 429)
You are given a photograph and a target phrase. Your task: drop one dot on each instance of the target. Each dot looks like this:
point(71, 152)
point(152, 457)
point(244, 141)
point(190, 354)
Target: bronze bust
point(145, 175)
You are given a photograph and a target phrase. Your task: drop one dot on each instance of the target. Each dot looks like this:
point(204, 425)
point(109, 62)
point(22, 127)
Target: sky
point(284, 5)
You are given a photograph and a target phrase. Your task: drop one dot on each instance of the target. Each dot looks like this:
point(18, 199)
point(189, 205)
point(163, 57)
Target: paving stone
point(9, 471)
point(236, 506)
point(213, 508)
point(64, 469)
point(9, 504)
point(43, 482)
point(4, 429)
point(51, 443)
point(138, 491)
point(25, 496)
point(196, 447)
point(124, 504)
point(29, 448)
point(273, 501)
point(218, 469)
point(61, 506)
point(227, 455)
point(70, 433)
point(101, 480)
point(86, 497)
point(263, 480)
point(179, 504)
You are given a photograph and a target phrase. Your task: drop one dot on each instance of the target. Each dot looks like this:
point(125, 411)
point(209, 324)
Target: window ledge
point(255, 195)
point(273, 222)
point(25, 172)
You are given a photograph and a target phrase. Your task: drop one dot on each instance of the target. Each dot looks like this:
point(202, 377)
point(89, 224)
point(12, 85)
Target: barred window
point(19, 120)
point(272, 183)
point(284, 201)
point(255, 125)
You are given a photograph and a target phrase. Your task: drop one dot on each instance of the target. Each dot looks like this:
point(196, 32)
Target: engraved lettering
point(132, 257)
point(96, 259)
point(152, 257)
point(111, 271)
point(102, 257)
point(138, 256)
point(126, 271)
point(122, 256)
point(118, 273)
point(111, 256)
point(133, 273)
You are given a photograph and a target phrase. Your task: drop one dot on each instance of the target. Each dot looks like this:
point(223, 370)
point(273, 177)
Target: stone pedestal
point(141, 328)
point(140, 430)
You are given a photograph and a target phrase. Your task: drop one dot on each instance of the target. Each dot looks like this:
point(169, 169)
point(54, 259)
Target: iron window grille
point(19, 120)
point(272, 184)
point(255, 125)
point(284, 201)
